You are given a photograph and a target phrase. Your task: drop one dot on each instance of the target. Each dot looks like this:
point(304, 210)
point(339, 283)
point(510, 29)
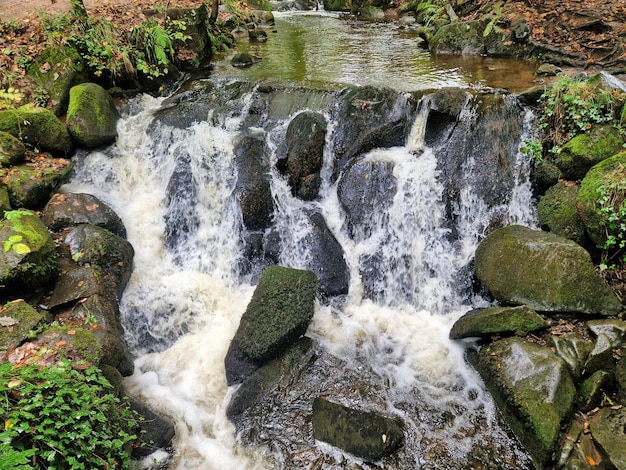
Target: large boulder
point(557, 212)
point(28, 256)
point(484, 322)
point(532, 387)
point(31, 184)
point(12, 150)
point(91, 115)
point(366, 434)
point(305, 139)
point(38, 127)
point(600, 199)
point(542, 270)
point(279, 312)
point(583, 151)
point(197, 48)
point(459, 38)
point(69, 209)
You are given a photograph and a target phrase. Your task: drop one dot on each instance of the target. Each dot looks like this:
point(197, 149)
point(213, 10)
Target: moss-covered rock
point(591, 391)
point(603, 188)
point(38, 127)
point(557, 212)
point(57, 69)
point(608, 428)
point(11, 150)
point(18, 320)
point(583, 151)
point(542, 270)
point(459, 37)
point(5, 202)
point(484, 322)
point(31, 184)
point(574, 350)
point(91, 115)
point(28, 256)
point(534, 390)
point(72, 342)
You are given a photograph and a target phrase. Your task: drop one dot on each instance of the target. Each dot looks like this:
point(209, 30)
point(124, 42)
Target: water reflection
point(320, 48)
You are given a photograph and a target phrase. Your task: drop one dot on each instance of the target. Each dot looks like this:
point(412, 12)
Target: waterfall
point(175, 190)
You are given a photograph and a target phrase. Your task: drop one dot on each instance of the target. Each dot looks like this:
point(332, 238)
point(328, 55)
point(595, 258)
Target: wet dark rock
point(533, 389)
point(157, 431)
point(279, 312)
point(608, 428)
point(557, 212)
point(328, 262)
point(243, 60)
point(88, 244)
point(366, 189)
point(18, 319)
point(253, 188)
point(532, 95)
point(542, 270)
point(369, 118)
point(31, 184)
point(484, 322)
point(257, 35)
point(368, 435)
point(544, 176)
point(91, 115)
point(305, 139)
point(181, 219)
point(70, 209)
point(75, 284)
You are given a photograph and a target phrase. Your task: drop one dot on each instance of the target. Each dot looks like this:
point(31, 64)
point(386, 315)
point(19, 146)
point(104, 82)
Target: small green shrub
point(533, 148)
point(63, 418)
point(611, 207)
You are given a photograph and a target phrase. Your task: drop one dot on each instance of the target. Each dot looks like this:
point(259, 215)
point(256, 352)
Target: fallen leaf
point(71, 332)
point(8, 321)
point(591, 461)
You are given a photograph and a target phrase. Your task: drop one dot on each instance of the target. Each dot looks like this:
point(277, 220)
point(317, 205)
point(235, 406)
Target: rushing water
point(186, 295)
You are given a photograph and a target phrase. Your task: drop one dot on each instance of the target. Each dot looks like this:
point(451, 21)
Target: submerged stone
point(366, 434)
point(484, 322)
point(542, 270)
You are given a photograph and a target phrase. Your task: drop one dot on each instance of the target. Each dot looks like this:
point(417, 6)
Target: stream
point(171, 176)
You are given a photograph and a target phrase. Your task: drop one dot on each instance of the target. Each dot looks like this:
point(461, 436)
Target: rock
point(38, 127)
point(28, 257)
point(533, 389)
point(573, 350)
point(5, 202)
point(590, 392)
point(484, 322)
point(368, 435)
point(31, 184)
point(88, 244)
point(17, 320)
point(366, 189)
point(608, 430)
point(544, 176)
point(557, 212)
point(197, 48)
point(71, 342)
point(327, 260)
point(181, 218)
point(257, 35)
point(609, 334)
point(583, 151)
point(91, 115)
point(548, 70)
point(613, 329)
point(11, 150)
point(596, 185)
point(70, 209)
point(157, 432)
point(459, 38)
point(532, 95)
point(253, 187)
point(305, 139)
point(243, 60)
point(57, 69)
point(620, 379)
point(542, 270)
point(279, 312)
point(77, 284)
point(369, 118)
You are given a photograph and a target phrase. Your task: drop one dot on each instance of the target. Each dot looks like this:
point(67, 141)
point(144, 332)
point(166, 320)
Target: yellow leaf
point(8, 424)
point(14, 383)
point(591, 461)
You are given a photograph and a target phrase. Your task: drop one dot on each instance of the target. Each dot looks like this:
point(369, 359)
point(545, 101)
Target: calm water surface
point(321, 48)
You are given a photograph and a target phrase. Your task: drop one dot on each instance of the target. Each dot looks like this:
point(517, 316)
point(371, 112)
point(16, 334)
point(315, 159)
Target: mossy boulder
point(533, 389)
point(89, 244)
point(38, 127)
point(608, 428)
point(31, 184)
point(583, 151)
point(521, 266)
point(65, 210)
point(17, 320)
point(11, 150)
point(28, 256)
point(484, 322)
point(279, 312)
point(72, 342)
point(91, 115)
point(57, 69)
point(602, 194)
point(459, 37)
point(591, 391)
point(557, 212)
point(367, 434)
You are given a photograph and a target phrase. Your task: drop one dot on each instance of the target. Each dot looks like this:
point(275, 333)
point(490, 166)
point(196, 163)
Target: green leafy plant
point(495, 16)
point(533, 148)
point(10, 97)
point(60, 417)
point(15, 243)
point(611, 209)
point(155, 48)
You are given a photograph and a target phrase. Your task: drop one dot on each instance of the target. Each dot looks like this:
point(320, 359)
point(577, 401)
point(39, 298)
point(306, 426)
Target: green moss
point(37, 127)
point(497, 320)
point(557, 212)
point(91, 115)
point(26, 318)
point(78, 341)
